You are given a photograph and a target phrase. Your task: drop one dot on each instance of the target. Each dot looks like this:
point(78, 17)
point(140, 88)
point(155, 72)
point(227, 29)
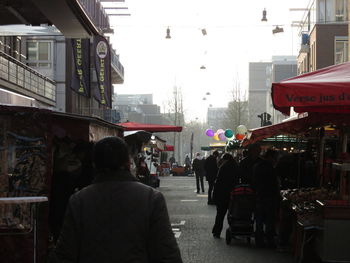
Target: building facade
point(324, 35)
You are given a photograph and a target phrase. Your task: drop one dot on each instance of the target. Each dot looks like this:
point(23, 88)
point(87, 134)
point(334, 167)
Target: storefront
point(43, 155)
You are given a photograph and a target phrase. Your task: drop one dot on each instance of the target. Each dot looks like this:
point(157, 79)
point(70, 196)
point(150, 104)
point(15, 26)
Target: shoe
point(198, 192)
point(216, 235)
point(211, 203)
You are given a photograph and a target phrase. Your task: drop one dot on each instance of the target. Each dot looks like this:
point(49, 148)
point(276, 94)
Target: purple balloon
point(222, 137)
point(209, 132)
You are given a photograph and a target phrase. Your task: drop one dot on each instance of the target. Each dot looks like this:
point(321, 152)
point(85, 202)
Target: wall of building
point(325, 39)
point(258, 90)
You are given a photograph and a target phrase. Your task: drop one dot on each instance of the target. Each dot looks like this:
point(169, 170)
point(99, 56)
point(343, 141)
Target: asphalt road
point(192, 220)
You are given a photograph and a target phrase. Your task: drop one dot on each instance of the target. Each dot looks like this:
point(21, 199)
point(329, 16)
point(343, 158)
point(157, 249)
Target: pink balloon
point(222, 137)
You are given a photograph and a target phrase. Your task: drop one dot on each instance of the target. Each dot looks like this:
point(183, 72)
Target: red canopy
point(169, 148)
point(297, 126)
point(323, 90)
point(133, 126)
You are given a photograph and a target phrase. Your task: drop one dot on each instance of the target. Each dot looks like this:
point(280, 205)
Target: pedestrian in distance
point(266, 186)
point(117, 218)
point(198, 168)
point(222, 189)
point(211, 171)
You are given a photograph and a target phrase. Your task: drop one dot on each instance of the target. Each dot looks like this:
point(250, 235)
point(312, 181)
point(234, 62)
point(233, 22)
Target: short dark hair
point(216, 153)
point(111, 153)
point(227, 156)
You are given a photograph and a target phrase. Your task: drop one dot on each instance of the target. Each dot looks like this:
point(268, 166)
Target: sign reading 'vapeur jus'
point(81, 66)
point(103, 71)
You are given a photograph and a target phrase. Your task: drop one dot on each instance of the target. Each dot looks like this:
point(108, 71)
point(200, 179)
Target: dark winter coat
point(198, 167)
point(211, 168)
point(224, 183)
point(265, 182)
point(117, 219)
point(246, 169)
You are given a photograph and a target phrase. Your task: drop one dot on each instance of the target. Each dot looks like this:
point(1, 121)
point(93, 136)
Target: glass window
point(341, 51)
point(39, 54)
point(340, 14)
point(322, 11)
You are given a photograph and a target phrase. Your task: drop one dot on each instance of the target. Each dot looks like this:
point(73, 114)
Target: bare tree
point(237, 110)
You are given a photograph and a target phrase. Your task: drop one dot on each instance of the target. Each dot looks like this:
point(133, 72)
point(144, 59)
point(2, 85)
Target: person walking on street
point(198, 168)
point(222, 189)
point(266, 186)
point(211, 171)
point(117, 218)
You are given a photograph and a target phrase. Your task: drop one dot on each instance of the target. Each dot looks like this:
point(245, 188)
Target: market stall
point(324, 95)
point(43, 154)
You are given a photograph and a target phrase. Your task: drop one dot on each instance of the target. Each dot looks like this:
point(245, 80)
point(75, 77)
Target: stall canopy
point(323, 90)
point(132, 126)
point(299, 125)
point(169, 148)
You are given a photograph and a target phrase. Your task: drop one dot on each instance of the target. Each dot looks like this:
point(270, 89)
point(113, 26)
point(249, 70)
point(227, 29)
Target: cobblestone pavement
point(192, 221)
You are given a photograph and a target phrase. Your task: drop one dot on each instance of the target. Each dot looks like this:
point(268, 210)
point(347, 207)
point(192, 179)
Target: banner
point(80, 82)
point(103, 71)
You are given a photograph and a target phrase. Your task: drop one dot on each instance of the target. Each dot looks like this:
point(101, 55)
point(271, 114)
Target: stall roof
point(323, 90)
point(132, 126)
point(300, 125)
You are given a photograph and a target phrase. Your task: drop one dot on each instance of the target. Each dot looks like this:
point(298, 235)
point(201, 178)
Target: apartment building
point(324, 35)
point(40, 69)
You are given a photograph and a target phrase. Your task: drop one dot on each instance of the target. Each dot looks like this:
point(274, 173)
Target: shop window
point(39, 54)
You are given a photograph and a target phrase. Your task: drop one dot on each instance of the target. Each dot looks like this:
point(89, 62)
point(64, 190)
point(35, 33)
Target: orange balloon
point(240, 136)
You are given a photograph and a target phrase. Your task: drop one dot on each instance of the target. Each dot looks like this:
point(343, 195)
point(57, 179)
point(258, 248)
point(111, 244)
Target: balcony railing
point(116, 63)
point(25, 77)
point(96, 13)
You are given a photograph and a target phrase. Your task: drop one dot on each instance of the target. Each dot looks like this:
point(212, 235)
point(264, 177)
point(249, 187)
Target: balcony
point(117, 69)
point(20, 78)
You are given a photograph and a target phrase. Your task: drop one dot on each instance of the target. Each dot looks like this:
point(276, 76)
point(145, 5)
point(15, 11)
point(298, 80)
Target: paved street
point(192, 221)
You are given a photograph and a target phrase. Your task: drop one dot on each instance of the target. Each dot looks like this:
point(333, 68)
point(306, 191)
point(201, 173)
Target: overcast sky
point(235, 36)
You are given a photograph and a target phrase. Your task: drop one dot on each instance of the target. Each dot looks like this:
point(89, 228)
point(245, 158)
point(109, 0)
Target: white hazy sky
point(235, 36)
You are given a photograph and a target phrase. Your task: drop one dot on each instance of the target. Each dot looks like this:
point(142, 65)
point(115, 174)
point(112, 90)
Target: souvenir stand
point(44, 157)
point(323, 94)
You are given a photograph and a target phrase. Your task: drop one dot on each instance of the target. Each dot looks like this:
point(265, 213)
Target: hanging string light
point(168, 33)
point(264, 16)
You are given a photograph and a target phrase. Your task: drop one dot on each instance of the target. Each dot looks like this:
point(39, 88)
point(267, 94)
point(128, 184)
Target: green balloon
point(229, 133)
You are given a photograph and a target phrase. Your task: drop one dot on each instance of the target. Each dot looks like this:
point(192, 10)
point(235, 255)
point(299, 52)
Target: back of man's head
point(254, 150)
point(111, 153)
point(215, 153)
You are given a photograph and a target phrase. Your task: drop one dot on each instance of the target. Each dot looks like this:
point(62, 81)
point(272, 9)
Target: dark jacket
point(198, 166)
point(265, 181)
point(211, 168)
point(246, 169)
point(225, 181)
point(117, 219)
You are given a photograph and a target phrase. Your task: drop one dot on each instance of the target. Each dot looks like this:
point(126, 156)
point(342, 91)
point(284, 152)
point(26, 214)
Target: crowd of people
point(223, 172)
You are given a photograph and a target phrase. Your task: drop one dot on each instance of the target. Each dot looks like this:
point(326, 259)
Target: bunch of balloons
point(223, 135)
point(220, 134)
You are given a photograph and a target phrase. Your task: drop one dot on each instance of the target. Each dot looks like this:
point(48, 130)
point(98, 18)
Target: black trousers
point(265, 218)
point(210, 191)
point(199, 179)
point(221, 209)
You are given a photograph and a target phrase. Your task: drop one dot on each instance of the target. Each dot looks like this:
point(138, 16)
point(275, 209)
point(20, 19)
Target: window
point(341, 50)
point(340, 10)
point(39, 54)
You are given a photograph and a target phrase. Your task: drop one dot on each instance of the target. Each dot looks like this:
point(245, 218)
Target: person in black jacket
point(267, 191)
point(211, 171)
point(198, 168)
point(117, 218)
point(247, 164)
point(222, 189)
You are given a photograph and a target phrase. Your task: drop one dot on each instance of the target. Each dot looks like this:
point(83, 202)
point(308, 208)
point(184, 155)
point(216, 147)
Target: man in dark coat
point(266, 186)
point(247, 164)
point(117, 218)
point(198, 168)
point(211, 171)
point(222, 189)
